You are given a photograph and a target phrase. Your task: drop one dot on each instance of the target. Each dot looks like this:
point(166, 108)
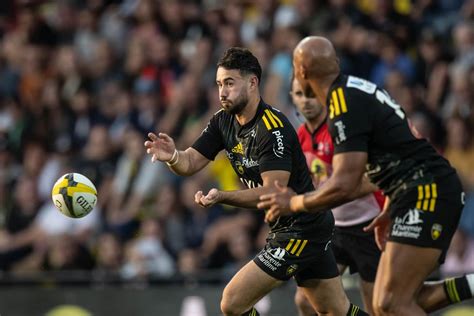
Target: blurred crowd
point(83, 81)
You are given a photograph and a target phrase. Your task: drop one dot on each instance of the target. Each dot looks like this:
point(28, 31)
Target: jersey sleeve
point(276, 147)
point(349, 120)
point(210, 143)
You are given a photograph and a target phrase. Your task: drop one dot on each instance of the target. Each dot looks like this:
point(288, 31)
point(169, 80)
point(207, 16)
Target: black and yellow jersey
point(267, 142)
point(363, 117)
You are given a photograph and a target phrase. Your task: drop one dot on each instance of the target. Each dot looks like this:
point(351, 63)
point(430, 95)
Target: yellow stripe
point(427, 196)
point(302, 247)
point(455, 290)
point(342, 100)
point(271, 119)
point(276, 118)
point(434, 195)
point(448, 288)
point(452, 291)
point(60, 185)
point(337, 110)
point(266, 123)
point(331, 110)
point(80, 188)
point(427, 191)
point(420, 197)
point(298, 242)
point(354, 311)
point(289, 245)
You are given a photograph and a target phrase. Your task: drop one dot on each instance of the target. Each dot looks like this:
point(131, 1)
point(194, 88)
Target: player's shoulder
point(272, 119)
point(349, 92)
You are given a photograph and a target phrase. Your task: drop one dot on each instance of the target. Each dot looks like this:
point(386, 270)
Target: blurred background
point(83, 81)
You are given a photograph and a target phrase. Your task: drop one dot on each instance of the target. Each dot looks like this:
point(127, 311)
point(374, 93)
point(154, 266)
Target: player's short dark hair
point(241, 59)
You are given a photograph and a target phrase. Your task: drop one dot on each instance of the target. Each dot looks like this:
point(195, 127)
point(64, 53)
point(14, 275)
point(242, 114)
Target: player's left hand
point(277, 203)
point(212, 197)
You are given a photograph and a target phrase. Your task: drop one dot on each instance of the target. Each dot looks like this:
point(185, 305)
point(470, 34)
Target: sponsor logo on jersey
point(436, 230)
point(337, 105)
point(361, 84)
point(249, 162)
point(277, 253)
point(271, 120)
point(278, 148)
point(269, 261)
point(341, 133)
point(238, 149)
point(409, 225)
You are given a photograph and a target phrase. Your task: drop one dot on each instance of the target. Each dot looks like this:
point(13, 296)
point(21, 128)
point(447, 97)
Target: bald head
point(315, 57)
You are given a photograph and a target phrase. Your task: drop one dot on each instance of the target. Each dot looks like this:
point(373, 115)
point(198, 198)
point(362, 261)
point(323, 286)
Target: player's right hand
point(160, 147)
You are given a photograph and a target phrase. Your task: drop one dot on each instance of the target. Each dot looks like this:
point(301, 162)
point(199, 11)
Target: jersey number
point(384, 98)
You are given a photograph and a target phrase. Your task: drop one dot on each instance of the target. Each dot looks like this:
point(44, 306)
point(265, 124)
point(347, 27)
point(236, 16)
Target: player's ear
point(253, 82)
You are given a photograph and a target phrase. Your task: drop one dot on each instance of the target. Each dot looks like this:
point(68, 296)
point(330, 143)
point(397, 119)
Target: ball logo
point(58, 203)
point(84, 204)
point(279, 151)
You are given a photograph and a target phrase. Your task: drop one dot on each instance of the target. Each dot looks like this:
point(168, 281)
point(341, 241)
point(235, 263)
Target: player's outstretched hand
point(212, 197)
point(380, 225)
point(160, 147)
point(276, 203)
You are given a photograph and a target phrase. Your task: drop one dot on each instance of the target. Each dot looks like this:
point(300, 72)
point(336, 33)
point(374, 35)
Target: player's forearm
point(243, 198)
point(331, 194)
point(365, 187)
point(183, 164)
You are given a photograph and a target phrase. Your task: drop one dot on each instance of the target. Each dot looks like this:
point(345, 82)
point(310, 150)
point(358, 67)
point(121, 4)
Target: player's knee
point(300, 299)
point(230, 306)
point(302, 304)
point(387, 304)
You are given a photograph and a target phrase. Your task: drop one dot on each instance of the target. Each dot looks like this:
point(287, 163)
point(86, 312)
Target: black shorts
point(357, 249)
point(427, 215)
point(285, 256)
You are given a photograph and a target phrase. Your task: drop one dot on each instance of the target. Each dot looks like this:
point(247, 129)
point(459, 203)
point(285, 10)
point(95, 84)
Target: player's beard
point(238, 105)
point(313, 114)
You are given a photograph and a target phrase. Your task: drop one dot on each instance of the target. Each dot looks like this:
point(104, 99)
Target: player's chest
point(319, 144)
point(242, 152)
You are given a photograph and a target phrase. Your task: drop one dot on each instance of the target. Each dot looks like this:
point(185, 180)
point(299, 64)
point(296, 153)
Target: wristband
point(170, 162)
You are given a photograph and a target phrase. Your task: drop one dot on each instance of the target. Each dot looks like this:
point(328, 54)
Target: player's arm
point(248, 198)
point(185, 163)
point(346, 184)
point(188, 162)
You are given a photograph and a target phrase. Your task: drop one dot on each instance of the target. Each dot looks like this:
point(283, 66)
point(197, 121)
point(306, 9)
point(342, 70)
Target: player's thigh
point(402, 270)
point(327, 296)
point(248, 286)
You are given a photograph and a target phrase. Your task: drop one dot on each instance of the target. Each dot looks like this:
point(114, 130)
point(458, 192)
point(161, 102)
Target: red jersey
point(318, 149)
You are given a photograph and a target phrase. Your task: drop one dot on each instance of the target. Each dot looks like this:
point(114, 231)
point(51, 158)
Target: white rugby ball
point(74, 195)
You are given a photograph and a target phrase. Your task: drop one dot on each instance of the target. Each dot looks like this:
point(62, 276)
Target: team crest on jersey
point(239, 167)
point(436, 230)
point(291, 269)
